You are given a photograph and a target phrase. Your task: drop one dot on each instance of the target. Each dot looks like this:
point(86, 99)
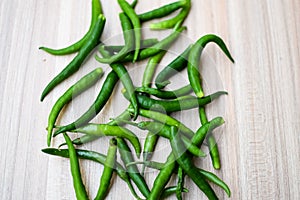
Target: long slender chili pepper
point(184, 160)
point(76, 89)
point(144, 44)
point(96, 107)
point(149, 146)
point(206, 129)
point(126, 81)
point(171, 190)
point(165, 119)
point(194, 60)
point(170, 23)
point(180, 183)
point(133, 171)
point(155, 49)
point(174, 105)
point(207, 175)
point(216, 180)
point(96, 11)
point(107, 173)
point(163, 94)
point(94, 156)
point(129, 42)
point(89, 138)
point(75, 64)
point(150, 69)
point(75, 170)
point(157, 128)
point(161, 11)
point(101, 130)
point(195, 81)
point(129, 11)
point(177, 65)
point(162, 178)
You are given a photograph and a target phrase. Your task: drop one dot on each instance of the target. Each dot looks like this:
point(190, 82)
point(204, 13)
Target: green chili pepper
point(103, 96)
point(184, 160)
point(207, 175)
point(101, 130)
point(180, 183)
point(171, 190)
point(166, 94)
point(126, 81)
point(109, 166)
point(75, 170)
point(134, 3)
point(94, 156)
point(165, 119)
point(194, 59)
point(129, 42)
point(96, 11)
point(174, 105)
point(170, 23)
point(144, 44)
point(150, 69)
point(162, 11)
point(75, 64)
point(133, 171)
point(76, 89)
point(149, 146)
point(129, 11)
point(162, 178)
point(156, 128)
point(89, 138)
point(216, 180)
point(157, 48)
point(172, 68)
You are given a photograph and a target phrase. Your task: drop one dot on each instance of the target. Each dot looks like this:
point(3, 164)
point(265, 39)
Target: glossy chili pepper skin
point(159, 129)
point(162, 178)
point(89, 138)
point(149, 146)
point(109, 166)
point(165, 119)
point(180, 183)
point(150, 69)
point(79, 188)
point(177, 65)
point(144, 44)
point(80, 86)
point(103, 96)
point(129, 11)
point(96, 11)
point(129, 43)
point(170, 23)
point(171, 190)
point(94, 156)
point(175, 105)
point(157, 48)
point(184, 160)
point(161, 11)
point(101, 130)
point(133, 171)
point(163, 94)
point(216, 180)
point(126, 81)
point(76, 63)
point(194, 60)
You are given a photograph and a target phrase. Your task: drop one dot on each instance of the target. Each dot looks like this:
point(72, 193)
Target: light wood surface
point(259, 144)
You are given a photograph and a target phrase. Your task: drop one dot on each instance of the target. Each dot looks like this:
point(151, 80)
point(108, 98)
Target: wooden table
point(259, 144)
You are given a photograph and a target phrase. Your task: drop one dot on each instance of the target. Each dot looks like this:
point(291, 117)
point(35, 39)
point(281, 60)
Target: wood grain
point(259, 144)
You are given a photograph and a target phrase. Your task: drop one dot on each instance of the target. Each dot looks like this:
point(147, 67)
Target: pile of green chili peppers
point(185, 143)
